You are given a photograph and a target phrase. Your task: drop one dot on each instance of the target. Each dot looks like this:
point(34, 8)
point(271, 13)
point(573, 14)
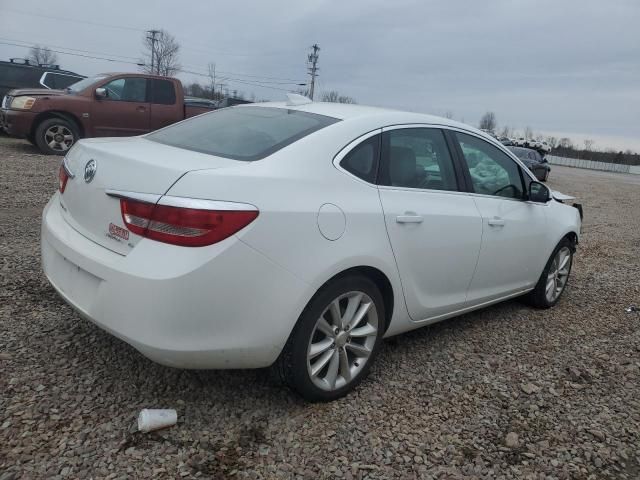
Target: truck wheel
point(55, 136)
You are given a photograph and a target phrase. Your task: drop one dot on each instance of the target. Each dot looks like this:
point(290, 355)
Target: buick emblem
point(90, 170)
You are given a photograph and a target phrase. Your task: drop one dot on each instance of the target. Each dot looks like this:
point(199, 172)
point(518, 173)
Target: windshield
point(82, 84)
point(242, 133)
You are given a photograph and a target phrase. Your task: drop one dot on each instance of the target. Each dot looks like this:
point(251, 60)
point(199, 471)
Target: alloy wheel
point(59, 138)
point(342, 340)
point(558, 274)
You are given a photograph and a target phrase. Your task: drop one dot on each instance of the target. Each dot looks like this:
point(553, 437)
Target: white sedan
point(298, 235)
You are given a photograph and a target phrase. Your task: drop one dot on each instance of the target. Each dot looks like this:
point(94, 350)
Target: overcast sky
point(564, 67)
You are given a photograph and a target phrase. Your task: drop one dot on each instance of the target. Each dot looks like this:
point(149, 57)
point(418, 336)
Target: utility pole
point(152, 37)
point(312, 59)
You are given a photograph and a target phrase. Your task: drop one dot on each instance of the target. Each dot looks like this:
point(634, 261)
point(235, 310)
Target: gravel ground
point(507, 392)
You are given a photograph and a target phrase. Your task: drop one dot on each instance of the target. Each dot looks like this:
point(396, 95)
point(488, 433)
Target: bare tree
point(506, 131)
point(448, 114)
point(488, 122)
point(195, 90)
point(42, 55)
point(588, 144)
point(161, 54)
point(528, 133)
point(334, 97)
point(565, 142)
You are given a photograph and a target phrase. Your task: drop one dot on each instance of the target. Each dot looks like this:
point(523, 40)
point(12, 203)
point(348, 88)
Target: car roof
point(384, 116)
point(44, 69)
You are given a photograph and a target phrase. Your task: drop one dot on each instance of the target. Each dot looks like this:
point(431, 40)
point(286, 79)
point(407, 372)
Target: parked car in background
point(19, 73)
point(534, 162)
point(298, 235)
point(506, 141)
point(106, 105)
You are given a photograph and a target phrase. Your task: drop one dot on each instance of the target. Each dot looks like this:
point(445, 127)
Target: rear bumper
point(16, 123)
point(223, 306)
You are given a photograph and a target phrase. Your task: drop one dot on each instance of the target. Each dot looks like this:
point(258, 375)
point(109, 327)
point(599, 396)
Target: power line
point(75, 54)
point(48, 45)
point(66, 19)
point(136, 61)
point(135, 29)
point(244, 82)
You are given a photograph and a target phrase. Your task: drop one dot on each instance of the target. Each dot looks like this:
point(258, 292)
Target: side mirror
point(101, 92)
point(539, 193)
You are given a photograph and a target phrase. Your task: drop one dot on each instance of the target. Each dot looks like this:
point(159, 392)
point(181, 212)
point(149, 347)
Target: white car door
point(434, 229)
point(514, 239)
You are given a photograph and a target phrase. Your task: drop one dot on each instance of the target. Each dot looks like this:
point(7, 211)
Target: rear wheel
point(554, 277)
point(55, 136)
point(335, 341)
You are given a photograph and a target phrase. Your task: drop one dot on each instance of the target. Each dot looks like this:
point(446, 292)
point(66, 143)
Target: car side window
point(417, 158)
point(130, 89)
point(362, 160)
point(163, 92)
point(492, 172)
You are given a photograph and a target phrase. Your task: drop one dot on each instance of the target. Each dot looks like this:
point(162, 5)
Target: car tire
point(554, 277)
point(323, 358)
point(55, 136)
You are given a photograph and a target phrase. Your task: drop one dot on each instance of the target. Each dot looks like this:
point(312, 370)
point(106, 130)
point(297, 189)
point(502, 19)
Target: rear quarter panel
point(289, 188)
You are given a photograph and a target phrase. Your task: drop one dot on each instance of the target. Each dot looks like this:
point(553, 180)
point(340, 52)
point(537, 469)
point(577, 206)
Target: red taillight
point(63, 177)
point(187, 227)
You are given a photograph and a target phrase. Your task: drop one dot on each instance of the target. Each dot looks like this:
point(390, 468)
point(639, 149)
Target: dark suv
point(18, 73)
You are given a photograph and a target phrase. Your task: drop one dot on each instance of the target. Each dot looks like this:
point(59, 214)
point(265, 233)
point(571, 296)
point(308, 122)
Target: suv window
point(242, 133)
point(130, 89)
point(163, 92)
point(58, 80)
point(417, 158)
point(492, 171)
point(362, 161)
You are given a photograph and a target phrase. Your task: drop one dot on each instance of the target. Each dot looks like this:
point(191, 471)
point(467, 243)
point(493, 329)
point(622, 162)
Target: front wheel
point(335, 341)
point(55, 136)
point(554, 277)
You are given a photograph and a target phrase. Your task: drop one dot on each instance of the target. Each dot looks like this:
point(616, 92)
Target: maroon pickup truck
point(107, 105)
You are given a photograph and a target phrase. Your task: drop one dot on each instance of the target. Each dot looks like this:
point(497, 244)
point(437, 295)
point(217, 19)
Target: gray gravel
point(507, 392)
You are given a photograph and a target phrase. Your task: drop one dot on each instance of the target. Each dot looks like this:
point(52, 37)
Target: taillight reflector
point(63, 177)
point(187, 227)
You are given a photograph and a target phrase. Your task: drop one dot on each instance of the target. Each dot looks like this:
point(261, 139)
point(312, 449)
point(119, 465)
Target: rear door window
point(163, 92)
point(242, 133)
point(417, 158)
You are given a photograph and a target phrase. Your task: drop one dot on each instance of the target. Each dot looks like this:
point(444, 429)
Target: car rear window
point(242, 133)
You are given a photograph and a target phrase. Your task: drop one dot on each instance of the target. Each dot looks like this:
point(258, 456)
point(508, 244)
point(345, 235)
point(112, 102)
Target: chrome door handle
point(409, 219)
point(496, 222)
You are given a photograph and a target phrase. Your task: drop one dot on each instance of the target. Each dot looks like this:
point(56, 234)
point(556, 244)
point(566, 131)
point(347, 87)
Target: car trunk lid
point(104, 169)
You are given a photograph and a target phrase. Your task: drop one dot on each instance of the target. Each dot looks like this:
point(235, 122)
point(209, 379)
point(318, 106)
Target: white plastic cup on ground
point(155, 418)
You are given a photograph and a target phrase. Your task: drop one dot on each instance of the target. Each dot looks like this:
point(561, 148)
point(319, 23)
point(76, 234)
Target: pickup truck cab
point(105, 105)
